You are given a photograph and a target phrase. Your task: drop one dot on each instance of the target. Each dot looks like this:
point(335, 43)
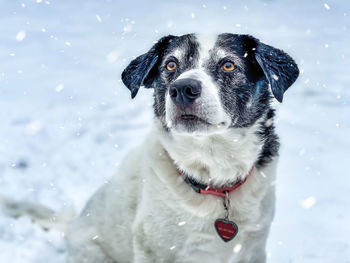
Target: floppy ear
point(142, 70)
point(279, 68)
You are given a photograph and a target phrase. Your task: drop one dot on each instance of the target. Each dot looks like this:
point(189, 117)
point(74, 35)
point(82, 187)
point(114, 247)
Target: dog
point(213, 129)
point(201, 188)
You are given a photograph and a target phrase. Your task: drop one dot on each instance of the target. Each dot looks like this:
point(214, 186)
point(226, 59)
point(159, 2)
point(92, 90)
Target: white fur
point(206, 44)
point(147, 213)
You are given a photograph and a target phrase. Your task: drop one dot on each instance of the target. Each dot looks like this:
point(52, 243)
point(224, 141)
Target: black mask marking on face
point(143, 69)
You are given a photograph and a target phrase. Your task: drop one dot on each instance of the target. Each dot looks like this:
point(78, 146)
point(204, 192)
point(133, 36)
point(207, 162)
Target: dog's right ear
point(143, 69)
point(279, 68)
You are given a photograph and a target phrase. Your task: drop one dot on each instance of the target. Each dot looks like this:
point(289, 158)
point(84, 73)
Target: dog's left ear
point(142, 70)
point(279, 68)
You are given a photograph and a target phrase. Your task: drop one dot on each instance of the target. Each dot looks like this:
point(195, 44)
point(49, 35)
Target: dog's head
point(212, 84)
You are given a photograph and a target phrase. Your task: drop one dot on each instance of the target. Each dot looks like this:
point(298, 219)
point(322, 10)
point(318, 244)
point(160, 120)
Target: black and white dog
point(201, 187)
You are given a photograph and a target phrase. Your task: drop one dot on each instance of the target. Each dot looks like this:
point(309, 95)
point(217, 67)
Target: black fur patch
point(189, 46)
point(244, 91)
point(269, 138)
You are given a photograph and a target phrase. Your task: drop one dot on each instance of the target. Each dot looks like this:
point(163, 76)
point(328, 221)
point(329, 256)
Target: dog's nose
point(184, 92)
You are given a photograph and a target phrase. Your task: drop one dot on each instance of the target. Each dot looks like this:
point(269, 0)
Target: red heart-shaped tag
point(226, 229)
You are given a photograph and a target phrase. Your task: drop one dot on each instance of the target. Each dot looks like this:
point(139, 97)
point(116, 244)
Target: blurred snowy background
point(67, 120)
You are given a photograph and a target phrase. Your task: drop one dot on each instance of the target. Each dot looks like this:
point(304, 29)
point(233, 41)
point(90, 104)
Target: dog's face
point(208, 85)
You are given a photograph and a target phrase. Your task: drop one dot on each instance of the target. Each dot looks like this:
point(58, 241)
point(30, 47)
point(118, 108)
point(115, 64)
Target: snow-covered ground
point(67, 120)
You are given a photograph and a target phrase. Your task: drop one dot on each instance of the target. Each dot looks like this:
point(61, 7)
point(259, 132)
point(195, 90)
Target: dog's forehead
point(202, 47)
point(216, 47)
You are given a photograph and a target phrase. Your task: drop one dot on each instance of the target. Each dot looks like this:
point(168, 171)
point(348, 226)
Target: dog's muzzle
point(184, 92)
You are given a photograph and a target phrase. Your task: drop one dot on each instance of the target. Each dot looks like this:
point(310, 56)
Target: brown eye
point(228, 66)
point(171, 66)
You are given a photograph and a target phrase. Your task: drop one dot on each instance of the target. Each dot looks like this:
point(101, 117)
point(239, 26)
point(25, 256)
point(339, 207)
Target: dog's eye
point(228, 66)
point(171, 66)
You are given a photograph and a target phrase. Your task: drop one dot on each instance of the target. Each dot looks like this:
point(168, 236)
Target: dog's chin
point(194, 125)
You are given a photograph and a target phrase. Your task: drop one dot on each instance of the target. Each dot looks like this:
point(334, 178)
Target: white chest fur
point(182, 221)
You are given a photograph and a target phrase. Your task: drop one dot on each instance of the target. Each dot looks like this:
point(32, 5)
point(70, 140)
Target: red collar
point(206, 190)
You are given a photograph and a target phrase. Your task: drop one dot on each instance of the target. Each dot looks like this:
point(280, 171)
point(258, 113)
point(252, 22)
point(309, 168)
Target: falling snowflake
point(20, 36)
point(59, 87)
point(112, 56)
point(308, 202)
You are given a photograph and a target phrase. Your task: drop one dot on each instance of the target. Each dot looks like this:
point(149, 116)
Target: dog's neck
point(215, 159)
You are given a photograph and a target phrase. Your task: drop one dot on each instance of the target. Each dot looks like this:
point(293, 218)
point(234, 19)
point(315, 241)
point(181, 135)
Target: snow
point(20, 36)
point(237, 248)
point(63, 110)
point(326, 6)
point(308, 202)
